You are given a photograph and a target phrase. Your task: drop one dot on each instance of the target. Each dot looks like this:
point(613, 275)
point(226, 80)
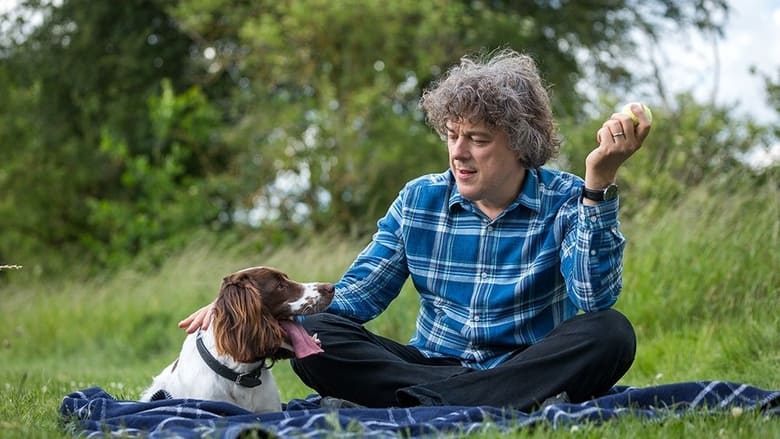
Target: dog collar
point(247, 379)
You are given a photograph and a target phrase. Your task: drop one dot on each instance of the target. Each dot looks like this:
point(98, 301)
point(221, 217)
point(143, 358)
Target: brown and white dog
point(251, 327)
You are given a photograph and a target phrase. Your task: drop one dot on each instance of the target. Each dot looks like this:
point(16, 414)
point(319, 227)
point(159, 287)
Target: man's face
point(486, 171)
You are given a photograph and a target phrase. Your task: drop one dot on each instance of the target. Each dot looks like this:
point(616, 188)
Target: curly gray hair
point(504, 91)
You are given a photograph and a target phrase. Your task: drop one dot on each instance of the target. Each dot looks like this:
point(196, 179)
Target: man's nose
point(459, 148)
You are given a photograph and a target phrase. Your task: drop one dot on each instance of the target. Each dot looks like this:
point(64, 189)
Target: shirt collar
point(529, 195)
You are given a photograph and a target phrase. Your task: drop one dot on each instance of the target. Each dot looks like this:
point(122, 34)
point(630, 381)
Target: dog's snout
point(326, 290)
point(315, 297)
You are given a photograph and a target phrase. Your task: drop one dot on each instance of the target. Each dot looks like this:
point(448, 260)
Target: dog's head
point(252, 303)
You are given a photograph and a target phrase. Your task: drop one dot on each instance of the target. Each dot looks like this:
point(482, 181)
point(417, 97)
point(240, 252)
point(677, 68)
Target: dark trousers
point(584, 356)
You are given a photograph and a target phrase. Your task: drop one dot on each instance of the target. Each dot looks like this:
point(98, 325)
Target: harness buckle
point(248, 380)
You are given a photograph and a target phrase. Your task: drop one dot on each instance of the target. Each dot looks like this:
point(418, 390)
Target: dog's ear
point(243, 329)
point(269, 335)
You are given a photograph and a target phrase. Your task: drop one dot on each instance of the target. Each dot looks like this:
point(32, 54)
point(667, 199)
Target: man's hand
point(200, 319)
point(618, 139)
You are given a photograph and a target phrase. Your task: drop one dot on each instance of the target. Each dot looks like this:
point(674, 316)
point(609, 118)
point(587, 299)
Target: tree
point(87, 69)
point(329, 99)
point(138, 122)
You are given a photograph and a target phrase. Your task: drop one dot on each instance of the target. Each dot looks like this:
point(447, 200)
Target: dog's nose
point(326, 290)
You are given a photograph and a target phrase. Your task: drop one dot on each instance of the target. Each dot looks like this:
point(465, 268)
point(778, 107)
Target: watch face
point(611, 192)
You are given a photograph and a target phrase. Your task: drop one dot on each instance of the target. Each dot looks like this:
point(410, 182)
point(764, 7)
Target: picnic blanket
point(94, 413)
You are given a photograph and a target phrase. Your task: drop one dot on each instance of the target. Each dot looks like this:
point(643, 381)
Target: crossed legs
point(584, 356)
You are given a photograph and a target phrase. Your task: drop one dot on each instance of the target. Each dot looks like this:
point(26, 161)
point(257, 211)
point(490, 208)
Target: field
point(702, 287)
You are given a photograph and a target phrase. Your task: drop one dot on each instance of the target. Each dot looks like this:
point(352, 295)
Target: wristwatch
point(608, 193)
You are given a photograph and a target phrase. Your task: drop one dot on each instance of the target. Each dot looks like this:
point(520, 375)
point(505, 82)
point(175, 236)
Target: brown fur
point(244, 327)
point(245, 331)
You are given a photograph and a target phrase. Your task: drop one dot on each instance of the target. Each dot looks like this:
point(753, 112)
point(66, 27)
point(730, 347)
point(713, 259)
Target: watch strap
point(593, 194)
point(608, 193)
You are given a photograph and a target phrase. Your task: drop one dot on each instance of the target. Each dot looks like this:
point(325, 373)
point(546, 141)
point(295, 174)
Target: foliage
point(131, 125)
point(689, 144)
point(87, 69)
point(773, 92)
point(329, 100)
point(160, 198)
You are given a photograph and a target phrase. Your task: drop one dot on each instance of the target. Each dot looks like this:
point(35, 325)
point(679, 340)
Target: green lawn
point(702, 287)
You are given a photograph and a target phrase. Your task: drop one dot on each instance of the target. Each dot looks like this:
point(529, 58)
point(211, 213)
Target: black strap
point(160, 395)
point(248, 379)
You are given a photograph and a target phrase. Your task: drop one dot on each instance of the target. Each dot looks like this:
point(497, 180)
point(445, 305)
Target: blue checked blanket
point(94, 413)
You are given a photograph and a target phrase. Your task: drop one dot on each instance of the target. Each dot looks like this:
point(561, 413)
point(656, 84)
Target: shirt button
point(594, 218)
point(476, 318)
point(490, 228)
point(484, 275)
point(593, 252)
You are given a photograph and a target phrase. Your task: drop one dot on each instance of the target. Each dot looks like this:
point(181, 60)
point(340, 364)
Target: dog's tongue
point(303, 344)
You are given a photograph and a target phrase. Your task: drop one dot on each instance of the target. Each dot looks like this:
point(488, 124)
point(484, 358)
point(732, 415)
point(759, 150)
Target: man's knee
point(326, 323)
point(318, 321)
point(620, 326)
point(616, 334)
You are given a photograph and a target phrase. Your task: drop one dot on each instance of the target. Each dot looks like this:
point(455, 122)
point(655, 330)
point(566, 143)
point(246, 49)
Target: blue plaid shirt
point(488, 286)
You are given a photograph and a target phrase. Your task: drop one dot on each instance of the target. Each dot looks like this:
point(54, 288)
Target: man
point(517, 266)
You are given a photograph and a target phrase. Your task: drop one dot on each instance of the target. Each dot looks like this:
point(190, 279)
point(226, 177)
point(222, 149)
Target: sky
point(752, 39)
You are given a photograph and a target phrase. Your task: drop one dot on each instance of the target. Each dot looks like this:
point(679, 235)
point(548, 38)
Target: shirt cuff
point(603, 215)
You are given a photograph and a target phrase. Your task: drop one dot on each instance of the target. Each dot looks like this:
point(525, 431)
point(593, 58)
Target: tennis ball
point(627, 111)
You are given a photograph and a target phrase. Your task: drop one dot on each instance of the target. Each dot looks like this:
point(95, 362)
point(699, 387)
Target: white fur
point(192, 378)
point(311, 297)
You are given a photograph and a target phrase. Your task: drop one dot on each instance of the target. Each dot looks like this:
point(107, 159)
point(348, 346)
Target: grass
point(701, 285)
